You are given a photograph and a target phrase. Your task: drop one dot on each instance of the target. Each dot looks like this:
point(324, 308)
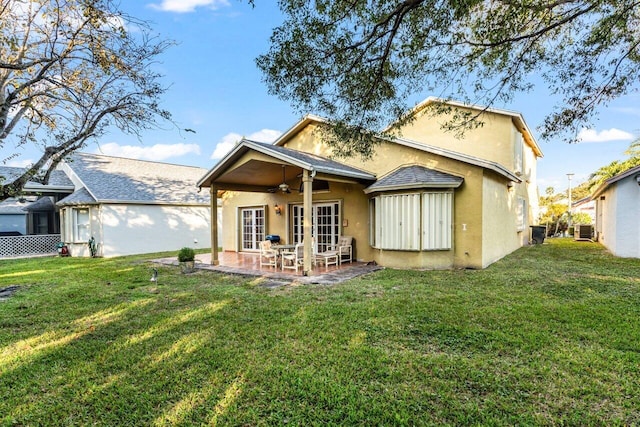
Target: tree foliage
point(554, 216)
point(581, 218)
point(70, 70)
point(580, 191)
point(616, 167)
point(360, 62)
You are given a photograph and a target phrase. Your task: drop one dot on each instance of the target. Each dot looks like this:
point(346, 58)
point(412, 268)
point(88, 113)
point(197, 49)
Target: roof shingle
point(415, 176)
point(79, 197)
point(57, 179)
point(117, 179)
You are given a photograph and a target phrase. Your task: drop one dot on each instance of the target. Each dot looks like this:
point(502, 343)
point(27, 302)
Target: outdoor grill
point(273, 238)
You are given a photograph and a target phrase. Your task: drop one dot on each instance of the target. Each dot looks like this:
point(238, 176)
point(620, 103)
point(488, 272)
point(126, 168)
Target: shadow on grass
point(549, 335)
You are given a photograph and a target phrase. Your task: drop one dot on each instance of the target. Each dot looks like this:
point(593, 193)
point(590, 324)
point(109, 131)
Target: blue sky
point(216, 89)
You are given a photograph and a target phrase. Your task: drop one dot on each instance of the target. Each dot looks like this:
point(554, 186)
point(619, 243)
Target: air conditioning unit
point(583, 232)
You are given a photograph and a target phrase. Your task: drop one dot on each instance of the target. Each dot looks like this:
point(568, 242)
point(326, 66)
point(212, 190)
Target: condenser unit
point(583, 232)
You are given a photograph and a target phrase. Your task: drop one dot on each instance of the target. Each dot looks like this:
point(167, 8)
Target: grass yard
point(550, 335)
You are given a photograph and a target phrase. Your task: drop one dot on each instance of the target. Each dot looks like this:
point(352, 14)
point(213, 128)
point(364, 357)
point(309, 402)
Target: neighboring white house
point(618, 213)
point(586, 206)
point(33, 213)
point(132, 206)
point(13, 217)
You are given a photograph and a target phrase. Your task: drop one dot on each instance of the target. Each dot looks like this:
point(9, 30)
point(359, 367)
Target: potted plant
point(186, 258)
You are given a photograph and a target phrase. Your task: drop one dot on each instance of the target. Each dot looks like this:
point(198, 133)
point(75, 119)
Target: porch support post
point(213, 192)
point(307, 181)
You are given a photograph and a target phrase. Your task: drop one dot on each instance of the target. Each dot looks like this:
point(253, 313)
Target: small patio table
point(282, 248)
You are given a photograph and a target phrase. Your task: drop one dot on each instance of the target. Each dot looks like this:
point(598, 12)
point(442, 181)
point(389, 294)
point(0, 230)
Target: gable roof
point(58, 180)
point(80, 197)
point(412, 177)
point(42, 204)
point(465, 158)
point(310, 162)
point(520, 123)
point(581, 202)
point(107, 179)
point(454, 155)
point(297, 127)
point(313, 162)
point(613, 180)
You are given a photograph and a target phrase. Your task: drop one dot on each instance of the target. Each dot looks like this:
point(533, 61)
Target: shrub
point(186, 254)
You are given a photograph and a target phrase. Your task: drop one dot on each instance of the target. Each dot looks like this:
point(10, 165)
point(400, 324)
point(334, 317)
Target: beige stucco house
point(423, 200)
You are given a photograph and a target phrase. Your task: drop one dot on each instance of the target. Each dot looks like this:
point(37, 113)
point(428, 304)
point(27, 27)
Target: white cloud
point(230, 140)
point(613, 134)
point(156, 152)
point(225, 145)
point(185, 6)
point(265, 135)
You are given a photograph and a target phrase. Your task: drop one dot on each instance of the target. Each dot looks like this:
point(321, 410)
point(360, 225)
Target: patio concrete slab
point(275, 277)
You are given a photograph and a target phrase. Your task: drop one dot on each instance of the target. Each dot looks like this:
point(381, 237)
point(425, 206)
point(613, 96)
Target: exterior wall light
point(278, 210)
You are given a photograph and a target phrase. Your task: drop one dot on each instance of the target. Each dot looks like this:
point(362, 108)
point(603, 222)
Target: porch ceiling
point(259, 167)
point(259, 176)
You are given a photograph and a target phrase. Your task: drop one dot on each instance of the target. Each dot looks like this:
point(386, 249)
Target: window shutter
point(398, 222)
point(437, 216)
point(373, 227)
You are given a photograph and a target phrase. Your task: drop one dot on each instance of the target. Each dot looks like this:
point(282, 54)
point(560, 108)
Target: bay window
point(413, 222)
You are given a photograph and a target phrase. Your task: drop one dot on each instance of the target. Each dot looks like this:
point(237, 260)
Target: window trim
point(518, 152)
point(258, 232)
point(297, 233)
point(75, 230)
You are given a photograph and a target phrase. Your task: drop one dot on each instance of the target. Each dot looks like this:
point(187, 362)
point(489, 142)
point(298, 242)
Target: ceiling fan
point(284, 187)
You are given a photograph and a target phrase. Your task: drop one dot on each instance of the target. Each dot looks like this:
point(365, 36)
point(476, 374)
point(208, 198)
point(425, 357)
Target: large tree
point(69, 71)
point(361, 62)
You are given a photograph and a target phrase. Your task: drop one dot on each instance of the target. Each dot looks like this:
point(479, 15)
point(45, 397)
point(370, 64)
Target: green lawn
point(550, 335)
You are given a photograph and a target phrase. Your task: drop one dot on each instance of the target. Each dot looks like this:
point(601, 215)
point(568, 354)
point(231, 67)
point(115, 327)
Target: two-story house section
point(425, 199)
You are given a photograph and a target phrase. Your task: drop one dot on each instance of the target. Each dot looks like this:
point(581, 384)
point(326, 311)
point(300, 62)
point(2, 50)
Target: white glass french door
point(252, 228)
point(325, 224)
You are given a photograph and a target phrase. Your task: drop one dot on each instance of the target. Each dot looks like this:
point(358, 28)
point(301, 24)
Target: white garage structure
point(132, 206)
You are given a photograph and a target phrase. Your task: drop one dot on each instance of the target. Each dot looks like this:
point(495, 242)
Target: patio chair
point(327, 258)
point(268, 256)
point(295, 259)
point(344, 249)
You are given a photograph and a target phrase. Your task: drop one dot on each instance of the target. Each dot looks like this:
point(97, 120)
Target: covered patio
point(277, 175)
point(248, 264)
